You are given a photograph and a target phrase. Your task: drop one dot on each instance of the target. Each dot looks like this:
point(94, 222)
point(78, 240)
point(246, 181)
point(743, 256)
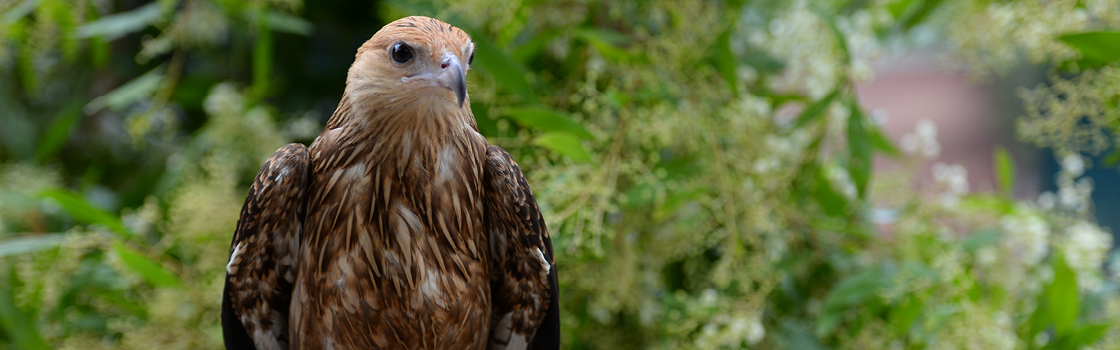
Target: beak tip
point(462, 89)
point(453, 77)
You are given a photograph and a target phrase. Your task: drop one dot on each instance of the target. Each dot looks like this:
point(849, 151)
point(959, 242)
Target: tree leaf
point(59, 131)
point(841, 39)
point(1088, 334)
point(1097, 48)
point(19, 11)
point(606, 42)
point(564, 143)
point(151, 271)
point(1112, 158)
point(725, 61)
point(981, 239)
point(917, 12)
point(852, 291)
point(533, 47)
point(881, 142)
point(833, 203)
point(262, 60)
point(814, 111)
point(859, 149)
point(114, 26)
point(903, 315)
point(131, 92)
point(288, 23)
point(899, 8)
point(510, 75)
point(21, 330)
point(30, 244)
point(855, 289)
point(83, 211)
point(795, 336)
point(547, 119)
point(1062, 301)
point(1005, 170)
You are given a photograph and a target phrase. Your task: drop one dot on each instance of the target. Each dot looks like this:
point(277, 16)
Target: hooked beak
point(452, 77)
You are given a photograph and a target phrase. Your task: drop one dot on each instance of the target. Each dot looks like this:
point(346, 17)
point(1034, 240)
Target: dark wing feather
point(524, 292)
point(261, 267)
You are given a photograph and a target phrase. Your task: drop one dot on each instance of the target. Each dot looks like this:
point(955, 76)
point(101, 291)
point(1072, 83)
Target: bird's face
point(424, 66)
point(413, 62)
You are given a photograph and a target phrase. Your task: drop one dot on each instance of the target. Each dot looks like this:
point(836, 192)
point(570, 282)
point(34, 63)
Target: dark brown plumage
point(399, 227)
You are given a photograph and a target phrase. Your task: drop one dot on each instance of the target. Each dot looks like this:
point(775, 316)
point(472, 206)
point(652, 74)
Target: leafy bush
point(704, 167)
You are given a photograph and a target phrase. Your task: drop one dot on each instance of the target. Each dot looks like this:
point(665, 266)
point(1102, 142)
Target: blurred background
point(826, 174)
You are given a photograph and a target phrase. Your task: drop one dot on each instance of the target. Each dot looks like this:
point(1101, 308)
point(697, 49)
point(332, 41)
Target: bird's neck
point(417, 134)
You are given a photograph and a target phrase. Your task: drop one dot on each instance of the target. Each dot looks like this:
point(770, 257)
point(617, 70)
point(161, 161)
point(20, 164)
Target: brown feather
point(264, 250)
point(395, 132)
point(405, 200)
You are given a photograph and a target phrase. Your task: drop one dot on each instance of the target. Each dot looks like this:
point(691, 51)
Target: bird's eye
point(471, 59)
point(401, 52)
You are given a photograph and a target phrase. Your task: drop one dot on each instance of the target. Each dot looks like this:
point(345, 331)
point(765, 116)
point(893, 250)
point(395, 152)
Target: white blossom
point(1086, 246)
point(987, 256)
point(841, 181)
point(923, 141)
point(1074, 195)
point(1026, 237)
point(1073, 164)
point(1047, 199)
point(954, 177)
point(708, 297)
point(949, 200)
point(879, 116)
point(755, 331)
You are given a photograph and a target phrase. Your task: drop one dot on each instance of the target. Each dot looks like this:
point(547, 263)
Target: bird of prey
point(400, 227)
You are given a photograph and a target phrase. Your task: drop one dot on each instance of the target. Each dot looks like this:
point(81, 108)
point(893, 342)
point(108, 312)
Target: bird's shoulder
point(261, 267)
point(524, 288)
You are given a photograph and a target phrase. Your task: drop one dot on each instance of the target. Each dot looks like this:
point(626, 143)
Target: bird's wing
point(523, 278)
point(262, 259)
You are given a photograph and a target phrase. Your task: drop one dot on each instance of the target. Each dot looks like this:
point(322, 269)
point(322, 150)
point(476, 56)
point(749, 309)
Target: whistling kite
point(400, 227)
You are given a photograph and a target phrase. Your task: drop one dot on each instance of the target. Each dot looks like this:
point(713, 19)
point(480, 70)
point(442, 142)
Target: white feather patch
point(501, 332)
point(504, 338)
point(265, 341)
point(356, 171)
point(282, 173)
point(430, 289)
point(446, 163)
point(234, 259)
point(546, 267)
point(517, 342)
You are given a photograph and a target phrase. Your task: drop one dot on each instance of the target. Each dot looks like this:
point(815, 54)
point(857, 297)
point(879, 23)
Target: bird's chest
point(423, 222)
point(401, 248)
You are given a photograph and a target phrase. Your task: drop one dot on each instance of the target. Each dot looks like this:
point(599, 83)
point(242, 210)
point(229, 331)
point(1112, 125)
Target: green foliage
point(1005, 170)
point(705, 169)
point(151, 271)
point(1096, 48)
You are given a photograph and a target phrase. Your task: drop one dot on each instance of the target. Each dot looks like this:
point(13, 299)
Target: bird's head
point(412, 64)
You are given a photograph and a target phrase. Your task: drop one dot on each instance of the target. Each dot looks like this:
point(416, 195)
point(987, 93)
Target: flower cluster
point(1085, 248)
point(990, 36)
point(1074, 191)
point(1071, 114)
point(1027, 237)
point(796, 37)
point(955, 179)
point(923, 141)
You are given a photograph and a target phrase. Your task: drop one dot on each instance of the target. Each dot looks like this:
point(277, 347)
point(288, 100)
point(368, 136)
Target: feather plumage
point(411, 231)
point(261, 266)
